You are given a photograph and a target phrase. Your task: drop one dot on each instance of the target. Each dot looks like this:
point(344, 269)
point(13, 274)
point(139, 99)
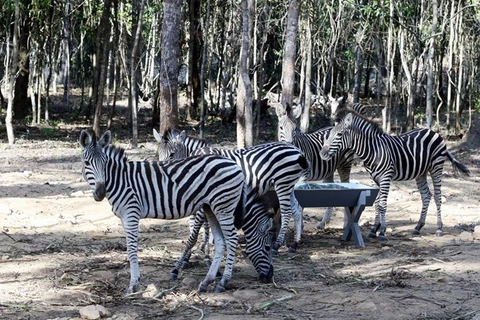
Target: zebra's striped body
point(410, 156)
point(311, 144)
point(173, 190)
point(272, 166)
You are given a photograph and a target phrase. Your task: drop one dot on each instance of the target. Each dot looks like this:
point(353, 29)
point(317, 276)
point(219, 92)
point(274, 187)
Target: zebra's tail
point(240, 209)
point(305, 165)
point(458, 165)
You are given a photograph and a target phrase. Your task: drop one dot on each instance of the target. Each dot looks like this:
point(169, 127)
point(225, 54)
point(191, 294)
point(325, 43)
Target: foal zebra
point(412, 155)
point(311, 144)
point(271, 166)
point(139, 189)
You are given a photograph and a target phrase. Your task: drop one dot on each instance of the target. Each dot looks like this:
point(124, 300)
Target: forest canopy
point(417, 61)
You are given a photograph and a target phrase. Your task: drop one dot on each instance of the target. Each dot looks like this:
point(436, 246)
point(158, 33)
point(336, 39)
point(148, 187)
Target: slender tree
point(169, 61)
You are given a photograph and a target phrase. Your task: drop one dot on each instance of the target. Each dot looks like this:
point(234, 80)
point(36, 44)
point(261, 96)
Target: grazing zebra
point(311, 144)
point(141, 189)
point(278, 166)
point(412, 155)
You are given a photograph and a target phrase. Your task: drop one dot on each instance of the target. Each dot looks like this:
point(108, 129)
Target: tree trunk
point(244, 91)
point(195, 49)
point(430, 67)
point(12, 70)
point(305, 117)
point(203, 68)
point(66, 52)
point(102, 51)
point(289, 53)
point(169, 62)
point(410, 84)
point(21, 103)
point(133, 96)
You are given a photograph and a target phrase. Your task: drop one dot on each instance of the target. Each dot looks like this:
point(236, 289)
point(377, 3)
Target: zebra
point(173, 190)
point(275, 165)
point(311, 144)
point(338, 104)
point(409, 156)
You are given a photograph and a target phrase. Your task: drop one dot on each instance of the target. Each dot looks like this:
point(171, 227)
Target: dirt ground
point(61, 251)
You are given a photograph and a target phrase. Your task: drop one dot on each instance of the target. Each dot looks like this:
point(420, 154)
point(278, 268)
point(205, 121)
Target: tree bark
point(102, 50)
point(133, 96)
point(169, 64)
point(13, 60)
point(430, 67)
point(289, 53)
point(194, 54)
point(21, 102)
point(244, 91)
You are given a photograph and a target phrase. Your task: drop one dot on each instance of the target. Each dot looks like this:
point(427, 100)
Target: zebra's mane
point(117, 153)
point(169, 134)
point(342, 113)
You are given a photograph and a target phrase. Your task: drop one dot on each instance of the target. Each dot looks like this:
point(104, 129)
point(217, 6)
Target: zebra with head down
point(271, 166)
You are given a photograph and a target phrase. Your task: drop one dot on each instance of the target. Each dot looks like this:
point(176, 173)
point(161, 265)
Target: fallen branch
point(268, 304)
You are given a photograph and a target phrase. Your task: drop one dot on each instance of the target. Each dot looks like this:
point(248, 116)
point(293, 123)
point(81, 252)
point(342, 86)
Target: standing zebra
point(140, 189)
point(311, 144)
point(338, 104)
point(271, 166)
point(412, 155)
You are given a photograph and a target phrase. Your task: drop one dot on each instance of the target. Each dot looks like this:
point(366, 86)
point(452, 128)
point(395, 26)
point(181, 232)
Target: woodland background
point(416, 61)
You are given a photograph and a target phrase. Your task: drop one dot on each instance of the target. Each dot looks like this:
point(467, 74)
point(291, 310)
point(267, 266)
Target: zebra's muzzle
point(99, 192)
point(267, 278)
point(325, 152)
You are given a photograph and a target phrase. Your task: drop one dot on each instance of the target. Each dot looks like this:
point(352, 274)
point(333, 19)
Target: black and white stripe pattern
point(173, 190)
point(409, 156)
point(311, 144)
point(272, 166)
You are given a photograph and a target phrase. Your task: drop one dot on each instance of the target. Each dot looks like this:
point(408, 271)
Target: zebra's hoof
point(219, 288)
point(275, 252)
point(184, 264)
point(439, 233)
point(372, 235)
point(382, 238)
point(292, 250)
point(320, 226)
point(173, 275)
point(415, 232)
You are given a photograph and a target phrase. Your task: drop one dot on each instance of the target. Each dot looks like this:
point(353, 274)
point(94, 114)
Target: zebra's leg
point(422, 185)
point(205, 246)
point(328, 212)
point(297, 212)
point(344, 170)
point(376, 223)
point(230, 242)
point(182, 262)
point(286, 213)
point(437, 189)
point(382, 208)
point(218, 251)
point(130, 225)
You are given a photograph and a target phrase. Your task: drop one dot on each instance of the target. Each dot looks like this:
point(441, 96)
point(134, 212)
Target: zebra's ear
point(182, 136)
point(297, 111)
point(279, 110)
point(85, 138)
point(158, 136)
point(105, 139)
point(348, 120)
